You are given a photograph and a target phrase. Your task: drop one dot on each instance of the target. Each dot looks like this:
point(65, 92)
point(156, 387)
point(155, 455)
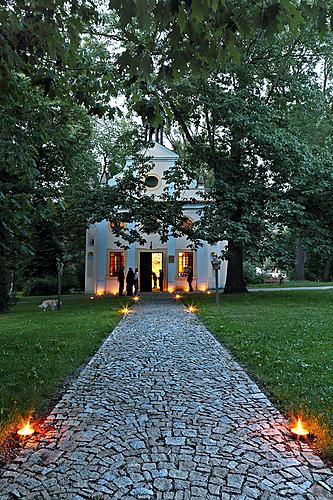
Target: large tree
point(248, 123)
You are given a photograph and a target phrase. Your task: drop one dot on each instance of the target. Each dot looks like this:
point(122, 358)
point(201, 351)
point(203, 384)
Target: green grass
point(285, 340)
point(40, 349)
point(292, 284)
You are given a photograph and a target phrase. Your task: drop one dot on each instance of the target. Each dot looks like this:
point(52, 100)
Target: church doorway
point(150, 265)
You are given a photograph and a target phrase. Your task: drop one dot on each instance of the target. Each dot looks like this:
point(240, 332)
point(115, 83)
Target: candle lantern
point(299, 431)
point(26, 430)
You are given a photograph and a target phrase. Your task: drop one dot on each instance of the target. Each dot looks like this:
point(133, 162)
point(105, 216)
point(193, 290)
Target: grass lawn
point(285, 340)
point(40, 349)
point(292, 284)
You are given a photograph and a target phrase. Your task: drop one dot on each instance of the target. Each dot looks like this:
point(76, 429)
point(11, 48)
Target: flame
point(26, 430)
point(192, 309)
point(170, 290)
point(136, 298)
point(299, 430)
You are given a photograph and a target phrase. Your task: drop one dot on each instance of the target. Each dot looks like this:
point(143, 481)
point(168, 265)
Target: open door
point(145, 272)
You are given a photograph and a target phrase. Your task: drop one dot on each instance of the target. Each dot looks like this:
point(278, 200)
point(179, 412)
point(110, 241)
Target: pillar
point(202, 267)
point(131, 252)
point(101, 257)
point(172, 262)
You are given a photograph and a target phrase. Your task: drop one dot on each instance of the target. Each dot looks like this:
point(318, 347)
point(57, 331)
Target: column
point(101, 257)
point(172, 262)
point(202, 271)
point(131, 252)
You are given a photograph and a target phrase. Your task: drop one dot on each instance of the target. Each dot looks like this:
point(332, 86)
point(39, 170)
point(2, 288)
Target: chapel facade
point(104, 258)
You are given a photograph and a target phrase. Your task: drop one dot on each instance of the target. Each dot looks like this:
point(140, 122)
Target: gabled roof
point(161, 152)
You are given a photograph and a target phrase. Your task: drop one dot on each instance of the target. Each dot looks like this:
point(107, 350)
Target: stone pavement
point(162, 411)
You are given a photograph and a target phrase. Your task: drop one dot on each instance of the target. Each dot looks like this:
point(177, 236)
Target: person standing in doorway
point(154, 279)
point(136, 281)
point(121, 280)
point(190, 278)
point(160, 280)
point(130, 282)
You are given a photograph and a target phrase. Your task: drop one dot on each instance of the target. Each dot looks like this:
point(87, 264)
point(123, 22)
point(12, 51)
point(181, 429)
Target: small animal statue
point(52, 304)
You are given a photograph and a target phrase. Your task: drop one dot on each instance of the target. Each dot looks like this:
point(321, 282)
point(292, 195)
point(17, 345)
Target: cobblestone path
point(162, 411)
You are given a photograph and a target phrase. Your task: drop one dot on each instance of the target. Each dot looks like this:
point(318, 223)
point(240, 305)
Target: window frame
point(180, 253)
point(122, 262)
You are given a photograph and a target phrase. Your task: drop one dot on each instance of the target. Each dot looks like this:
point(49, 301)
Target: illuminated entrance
point(150, 265)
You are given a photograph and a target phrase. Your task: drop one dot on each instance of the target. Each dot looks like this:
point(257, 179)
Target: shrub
point(250, 274)
point(40, 286)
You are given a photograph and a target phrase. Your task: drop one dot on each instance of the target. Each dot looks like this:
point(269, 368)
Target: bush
point(70, 279)
point(49, 285)
point(40, 286)
point(250, 274)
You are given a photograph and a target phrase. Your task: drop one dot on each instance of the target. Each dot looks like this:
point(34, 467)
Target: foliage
point(48, 285)
point(38, 40)
point(39, 47)
point(250, 274)
point(40, 286)
point(166, 38)
point(284, 340)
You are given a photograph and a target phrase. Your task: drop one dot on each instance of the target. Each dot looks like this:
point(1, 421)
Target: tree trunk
point(4, 285)
point(327, 270)
point(235, 282)
point(300, 259)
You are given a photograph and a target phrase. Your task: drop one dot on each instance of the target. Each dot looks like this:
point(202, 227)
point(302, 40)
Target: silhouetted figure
point(154, 279)
point(136, 281)
point(190, 278)
point(160, 280)
point(121, 279)
point(130, 282)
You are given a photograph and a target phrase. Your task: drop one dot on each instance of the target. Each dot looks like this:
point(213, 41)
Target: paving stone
point(162, 411)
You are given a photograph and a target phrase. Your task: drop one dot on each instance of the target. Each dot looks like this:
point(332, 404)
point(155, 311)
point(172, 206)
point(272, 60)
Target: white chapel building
point(104, 258)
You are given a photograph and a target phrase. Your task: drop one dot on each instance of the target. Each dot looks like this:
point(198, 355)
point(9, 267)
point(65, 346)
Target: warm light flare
point(171, 290)
point(299, 430)
point(91, 298)
point(208, 292)
point(136, 298)
point(125, 310)
point(192, 309)
point(178, 296)
point(26, 430)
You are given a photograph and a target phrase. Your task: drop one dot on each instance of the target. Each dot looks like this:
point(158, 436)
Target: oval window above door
point(151, 181)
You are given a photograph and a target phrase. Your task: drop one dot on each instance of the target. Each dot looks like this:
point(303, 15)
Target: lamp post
point(216, 264)
point(60, 270)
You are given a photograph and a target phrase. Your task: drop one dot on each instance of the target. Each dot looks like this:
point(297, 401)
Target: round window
point(151, 181)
